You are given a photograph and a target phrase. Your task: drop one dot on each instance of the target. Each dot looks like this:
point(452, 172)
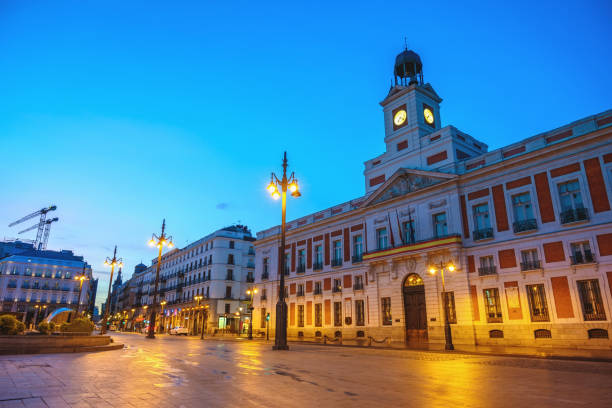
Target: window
point(487, 266)
point(337, 313)
point(317, 288)
point(266, 264)
point(264, 316)
point(449, 306)
point(227, 308)
point(337, 285)
point(228, 292)
point(264, 294)
point(492, 305)
point(318, 252)
point(358, 285)
point(357, 248)
point(231, 244)
point(523, 213)
point(408, 232)
point(440, 227)
point(230, 275)
point(359, 313)
point(301, 258)
point(529, 260)
point(590, 298)
point(230, 259)
point(300, 289)
point(386, 311)
point(382, 239)
point(337, 260)
point(318, 314)
point(572, 208)
point(287, 262)
point(581, 253)
point(537, 303)
point(300, 316)
point(482, 222)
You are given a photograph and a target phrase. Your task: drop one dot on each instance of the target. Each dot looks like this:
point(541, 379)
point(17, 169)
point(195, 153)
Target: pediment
point(406, 181)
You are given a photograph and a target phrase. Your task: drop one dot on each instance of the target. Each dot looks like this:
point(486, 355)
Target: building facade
point(35, 284)
point(202, 285)
point(524, 234)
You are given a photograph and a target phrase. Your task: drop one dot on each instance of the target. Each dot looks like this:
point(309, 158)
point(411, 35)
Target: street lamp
point(197, 298)
point(82, 277)
point(448, 338)
point(112, 263)
point(158, 242)
point(251, 292)
point(284, 184)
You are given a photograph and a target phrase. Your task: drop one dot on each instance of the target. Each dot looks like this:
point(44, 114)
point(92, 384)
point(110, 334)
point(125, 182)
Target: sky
point(126, 113)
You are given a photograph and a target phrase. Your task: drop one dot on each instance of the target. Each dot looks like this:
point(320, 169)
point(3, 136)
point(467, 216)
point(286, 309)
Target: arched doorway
point(414, 310)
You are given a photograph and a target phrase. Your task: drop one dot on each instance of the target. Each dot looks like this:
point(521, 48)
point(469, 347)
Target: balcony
point(484, 233)
point(531, 265)
point(318, 291)
point(574, 215)
point(300, 293)
point(337, 289)
point(263, 297)
point(525, 225)
point(358, 286)
point(580, 258)
point(12, 286)
point(357, 258)
point(317, 266)
point(286, 270)
point(487, 270)
point(301, 268)
point(265, 276)
point(251, 251)
point(336, 262)
point(250, 278)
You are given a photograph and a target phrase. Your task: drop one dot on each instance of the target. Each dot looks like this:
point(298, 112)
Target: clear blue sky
point(122, 113)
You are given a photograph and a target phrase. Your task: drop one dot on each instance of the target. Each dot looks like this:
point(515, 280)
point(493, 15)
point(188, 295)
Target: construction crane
point(42, 245)
point(43, 227)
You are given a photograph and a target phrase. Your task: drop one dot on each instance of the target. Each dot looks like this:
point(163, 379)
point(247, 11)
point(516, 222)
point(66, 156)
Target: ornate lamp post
point(159, 242)
point(251, 292)
point(82, 277)
point(163, 318)
point(204, 315)
point(283, 184)
point(112, 263)
point(197, 298)
point(448, 338)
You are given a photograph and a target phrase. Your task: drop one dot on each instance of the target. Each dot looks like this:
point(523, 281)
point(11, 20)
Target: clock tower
point(414, 137)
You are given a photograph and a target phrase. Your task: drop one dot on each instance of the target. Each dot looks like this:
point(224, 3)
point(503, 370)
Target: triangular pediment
point(406, 181)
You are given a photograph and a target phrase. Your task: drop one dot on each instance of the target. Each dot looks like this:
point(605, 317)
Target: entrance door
point(415, 312)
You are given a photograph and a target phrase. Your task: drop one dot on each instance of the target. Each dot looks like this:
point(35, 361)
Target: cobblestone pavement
point(188, 372)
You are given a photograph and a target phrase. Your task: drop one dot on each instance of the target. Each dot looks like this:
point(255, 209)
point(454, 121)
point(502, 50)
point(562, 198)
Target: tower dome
point(408, 66)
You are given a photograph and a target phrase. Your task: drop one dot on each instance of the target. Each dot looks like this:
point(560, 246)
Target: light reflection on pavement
point(188, 372)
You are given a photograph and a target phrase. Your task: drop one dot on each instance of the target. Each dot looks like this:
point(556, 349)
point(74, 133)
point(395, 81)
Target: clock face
point(399, 118)
point(429, 116)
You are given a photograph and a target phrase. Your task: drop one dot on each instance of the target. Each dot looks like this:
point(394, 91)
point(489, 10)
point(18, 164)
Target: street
point(188, 372)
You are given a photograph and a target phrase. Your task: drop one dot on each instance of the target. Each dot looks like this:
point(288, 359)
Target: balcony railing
point(250, 278)
point(300, 293)
point(574, 215)
point(358, 286)
point(484, 233)
point(318, 291)
point(357, 258)
point(301, 268)
point(317, 266)
point(487, 270)
point(531, 265)
point(580, 258)
point(265, 275)
point(525, 225)
point(337, 289)
point(263, 297)
point(286, 270)
point(336, 262)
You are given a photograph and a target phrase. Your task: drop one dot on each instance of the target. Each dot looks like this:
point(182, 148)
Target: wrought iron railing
point(337, 289)
point(317, 266)
point(487, 270)
point(525, 225)
point(574, 215)
point(484, 233)
point(531, 265)
point(336, 262)
point(357, 258)
point(301, 268)
point(358, 286)
point(580, 258)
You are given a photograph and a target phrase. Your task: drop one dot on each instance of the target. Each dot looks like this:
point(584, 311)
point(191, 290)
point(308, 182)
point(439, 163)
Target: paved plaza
point(188, 372)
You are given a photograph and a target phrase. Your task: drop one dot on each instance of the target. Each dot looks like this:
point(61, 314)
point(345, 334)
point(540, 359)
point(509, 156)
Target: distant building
point(219, 267)
point(34, 284)
point(14, 247)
